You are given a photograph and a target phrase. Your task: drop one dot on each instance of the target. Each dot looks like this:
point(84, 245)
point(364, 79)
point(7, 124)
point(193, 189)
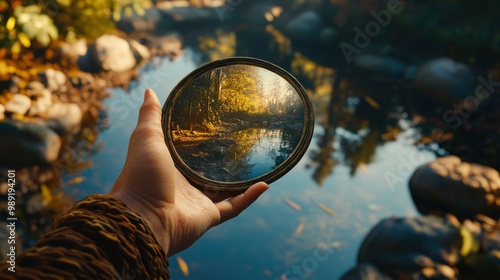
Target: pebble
point(18, 104)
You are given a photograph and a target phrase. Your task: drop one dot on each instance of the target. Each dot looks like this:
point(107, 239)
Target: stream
point(344, 169)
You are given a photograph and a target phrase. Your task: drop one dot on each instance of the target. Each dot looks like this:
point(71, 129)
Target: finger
point(150, 112)
point(231, 208)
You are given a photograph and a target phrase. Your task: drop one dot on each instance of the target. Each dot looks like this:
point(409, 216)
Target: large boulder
point(27, 143)
point(18, 104)
point(420, 245)
point(448, 185)
point(112, 53)
point(380, 65)
point(306, 27)
point(446, 81)
point(365, 271)
point(64, 117)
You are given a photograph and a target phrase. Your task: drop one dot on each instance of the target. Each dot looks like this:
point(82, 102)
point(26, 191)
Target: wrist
point(152, 216)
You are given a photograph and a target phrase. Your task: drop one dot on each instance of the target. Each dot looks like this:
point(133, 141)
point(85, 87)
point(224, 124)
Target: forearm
point(99, 238)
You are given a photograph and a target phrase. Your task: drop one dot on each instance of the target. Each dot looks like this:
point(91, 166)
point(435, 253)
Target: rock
point(380, 65)
point(253, 14)
point(365, 271)
point(448, 185)
point(141, 52)
point(486, 264)
point(306, 27)
point(35, 204)
point(35, 86)
point(169, 45)
point(191, 16)
point(18, 104)
point(27, 143)
point(54, 80)
point(329, 36)
point(74, 50)
point(82, 79)
point(446, 80)
point(41, 104)
point(15, 83)
point(64, 117)
point(112, 53)
point(410, 245)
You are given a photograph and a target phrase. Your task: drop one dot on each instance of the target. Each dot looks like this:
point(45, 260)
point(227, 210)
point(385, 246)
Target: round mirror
point(234, 122)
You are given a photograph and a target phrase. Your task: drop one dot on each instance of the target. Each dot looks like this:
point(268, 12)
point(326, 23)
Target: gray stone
point(27, 143)
point(365, 271)
point(35, 204)
point(413, 245)
point(76, 49)
point(18, 104)
point(64, 117)
point(112, 53)
point(448, 185)
point(380, 65)
point(54, 80)
point(446, 81)
point(35, 86)
point(140, 51)
point(306, 27)
point(329, 36)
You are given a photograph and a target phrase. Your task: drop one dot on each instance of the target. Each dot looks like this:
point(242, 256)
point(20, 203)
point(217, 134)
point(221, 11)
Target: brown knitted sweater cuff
point(98, 238)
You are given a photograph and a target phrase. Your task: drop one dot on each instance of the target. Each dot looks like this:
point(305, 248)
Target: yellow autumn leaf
point(23, 38)
point(46, 194)
point(11, 23)
point(16, 48)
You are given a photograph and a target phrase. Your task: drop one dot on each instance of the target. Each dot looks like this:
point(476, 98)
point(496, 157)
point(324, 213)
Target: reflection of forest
point(221, 116)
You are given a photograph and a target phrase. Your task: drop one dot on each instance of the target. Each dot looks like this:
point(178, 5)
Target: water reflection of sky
point(260, 243)
point(260, 155)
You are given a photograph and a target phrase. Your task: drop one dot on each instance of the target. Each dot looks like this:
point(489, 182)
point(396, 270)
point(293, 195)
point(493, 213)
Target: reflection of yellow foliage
point(284, 44)
point(221, 46)
point(321, 77)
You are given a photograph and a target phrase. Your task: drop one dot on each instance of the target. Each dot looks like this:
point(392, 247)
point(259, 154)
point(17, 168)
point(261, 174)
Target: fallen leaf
point(326, 209)
point(299, 228)
point(363, 168)
point(76, 180)
point(183, 266)
point(292, 204)
point(372, 102)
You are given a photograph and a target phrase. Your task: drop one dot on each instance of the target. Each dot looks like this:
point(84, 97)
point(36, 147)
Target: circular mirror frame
point(218, 186)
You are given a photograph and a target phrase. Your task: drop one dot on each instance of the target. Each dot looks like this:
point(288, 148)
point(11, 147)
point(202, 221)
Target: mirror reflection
point(236, 122)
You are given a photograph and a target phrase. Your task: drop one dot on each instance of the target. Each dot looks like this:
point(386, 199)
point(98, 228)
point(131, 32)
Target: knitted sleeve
point(98, 238)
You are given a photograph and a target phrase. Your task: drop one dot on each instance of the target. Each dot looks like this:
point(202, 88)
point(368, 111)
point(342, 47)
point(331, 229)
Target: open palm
point(150, 184)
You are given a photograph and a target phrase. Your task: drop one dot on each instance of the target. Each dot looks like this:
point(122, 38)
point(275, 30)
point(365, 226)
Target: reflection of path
point(236, 156)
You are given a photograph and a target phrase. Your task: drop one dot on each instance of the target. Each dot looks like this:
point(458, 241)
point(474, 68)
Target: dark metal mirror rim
point(218, 186)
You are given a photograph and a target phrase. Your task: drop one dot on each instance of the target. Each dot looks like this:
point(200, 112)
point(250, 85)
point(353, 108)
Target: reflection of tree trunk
point(324, 158)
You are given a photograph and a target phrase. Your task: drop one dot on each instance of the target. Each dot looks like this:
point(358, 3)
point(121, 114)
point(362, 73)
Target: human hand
point(150, 184)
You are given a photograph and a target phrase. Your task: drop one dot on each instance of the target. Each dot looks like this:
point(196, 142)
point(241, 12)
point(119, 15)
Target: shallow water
point(264, 242)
